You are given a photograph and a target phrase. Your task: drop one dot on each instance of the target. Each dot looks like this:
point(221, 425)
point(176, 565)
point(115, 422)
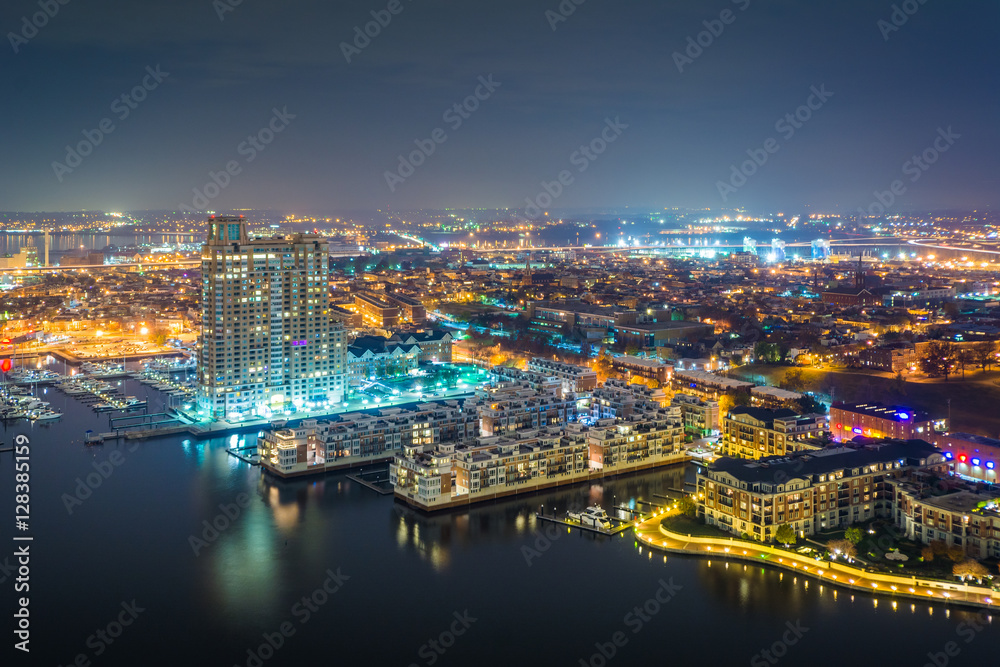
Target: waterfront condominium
point(268, 346)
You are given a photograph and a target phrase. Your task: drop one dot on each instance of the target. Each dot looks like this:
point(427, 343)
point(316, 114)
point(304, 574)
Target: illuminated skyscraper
point(267, 342)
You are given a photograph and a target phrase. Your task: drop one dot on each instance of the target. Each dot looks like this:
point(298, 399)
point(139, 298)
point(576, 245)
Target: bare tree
point(985, 353)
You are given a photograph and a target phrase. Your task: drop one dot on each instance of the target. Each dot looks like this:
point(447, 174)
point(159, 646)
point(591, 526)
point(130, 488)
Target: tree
point(971, 569)
point(637, 379)
point(899, 384)
point(956, 554)
point(726, 403)
point(985, 353)
point(964, 357)
point(785, 534)
point(653, 383)
point(843, 548)
point(938, 358)
point(603, 366)
point(809, 405)
point(853, 535)
point(768, 353)
point(794, 380)
point(687, 506)
point(927, 553)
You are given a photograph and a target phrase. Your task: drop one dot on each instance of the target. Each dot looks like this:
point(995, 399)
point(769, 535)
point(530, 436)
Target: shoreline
point(651, 533)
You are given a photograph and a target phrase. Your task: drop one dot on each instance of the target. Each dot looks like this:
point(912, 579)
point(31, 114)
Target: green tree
point(687, 506)
point(853, 535)
point(785, 534)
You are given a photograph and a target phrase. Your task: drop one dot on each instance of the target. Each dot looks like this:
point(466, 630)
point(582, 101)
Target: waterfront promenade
point(651, 533)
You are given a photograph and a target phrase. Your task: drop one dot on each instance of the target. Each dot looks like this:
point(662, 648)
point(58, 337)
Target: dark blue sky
point(607, 60)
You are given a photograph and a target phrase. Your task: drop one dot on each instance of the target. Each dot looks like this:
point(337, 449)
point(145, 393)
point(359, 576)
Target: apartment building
point(811, 491)
point(374, 357)
point(434, 344)
point(708, 385)
point(525, 461)
point(410, 310)
point(267, 343)
point(700, 417)
point(575, 379)
point(773, 397)
point(753, 433)
point(875, 420)
point(376, 312)
point(963, 518)
point(617, 399)
point(360, 438)
point(648, 369)
point(508, 407)
point(894, 357)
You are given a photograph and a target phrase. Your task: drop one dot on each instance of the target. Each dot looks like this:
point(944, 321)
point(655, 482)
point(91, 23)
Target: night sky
point(892, 89)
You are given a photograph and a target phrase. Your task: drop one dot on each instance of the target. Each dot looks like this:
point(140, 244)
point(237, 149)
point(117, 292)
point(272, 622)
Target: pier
point(370, 485)
point(621, 528)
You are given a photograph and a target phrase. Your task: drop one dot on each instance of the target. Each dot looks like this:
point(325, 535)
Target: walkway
point(651, 533)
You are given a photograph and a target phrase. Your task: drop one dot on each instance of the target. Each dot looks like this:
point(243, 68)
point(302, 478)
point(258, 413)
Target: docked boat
point(133, 402)
point(45, 415)
point(11, 413)
point(592, 517)
point(104, 407)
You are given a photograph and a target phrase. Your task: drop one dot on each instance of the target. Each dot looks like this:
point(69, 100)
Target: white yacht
point(592, 517)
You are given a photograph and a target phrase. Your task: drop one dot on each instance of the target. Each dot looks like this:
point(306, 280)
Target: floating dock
point(367, 484)
point(600, 531)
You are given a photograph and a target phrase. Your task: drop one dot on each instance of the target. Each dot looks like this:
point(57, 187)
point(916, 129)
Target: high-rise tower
point(267, 341)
